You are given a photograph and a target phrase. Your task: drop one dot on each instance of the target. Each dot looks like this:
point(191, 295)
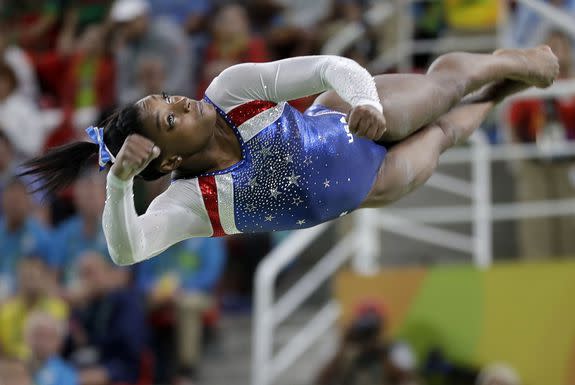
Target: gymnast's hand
point(366, 121)
point(136, 153)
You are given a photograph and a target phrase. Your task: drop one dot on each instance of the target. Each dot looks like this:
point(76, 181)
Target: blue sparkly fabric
point(301, 170)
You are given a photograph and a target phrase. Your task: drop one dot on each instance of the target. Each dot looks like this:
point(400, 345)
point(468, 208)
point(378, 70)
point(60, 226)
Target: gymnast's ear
point(170, 164)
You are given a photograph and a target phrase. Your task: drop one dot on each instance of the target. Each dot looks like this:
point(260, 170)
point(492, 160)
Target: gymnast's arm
point(294, 78)
point(132, 238)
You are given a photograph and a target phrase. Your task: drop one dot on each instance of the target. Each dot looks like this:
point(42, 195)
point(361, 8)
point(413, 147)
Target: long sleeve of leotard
point(171, 217)
point(294, 78)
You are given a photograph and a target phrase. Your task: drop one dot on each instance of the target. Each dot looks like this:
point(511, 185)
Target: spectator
point(548, 123)
point(32, 23)
point(108, 331)
point(16, 58)
point(14, 372)
point(20, 119)
point(303, 13)
point(231, 43)
point(8, 163)
point(45, 335)
point(83, 231)
point(20, 232)
point(498, 374)
point(180, 286)
point(138, 38)
point(89, 86)
point(471, 16)
point(34, 294)
point(342, 14)
point(190, 15)
point(527, 28)
point(9, 166)
point(86, 12)
point(364, 358)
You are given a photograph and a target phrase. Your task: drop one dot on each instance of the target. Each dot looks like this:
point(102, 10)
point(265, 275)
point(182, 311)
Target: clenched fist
point(136, 153)
point(366, 121)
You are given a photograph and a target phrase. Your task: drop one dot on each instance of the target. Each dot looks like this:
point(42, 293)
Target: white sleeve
point(294, 78)
point(132, 238)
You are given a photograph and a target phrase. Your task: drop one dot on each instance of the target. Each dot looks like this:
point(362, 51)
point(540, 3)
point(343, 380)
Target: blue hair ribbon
point(104, 154)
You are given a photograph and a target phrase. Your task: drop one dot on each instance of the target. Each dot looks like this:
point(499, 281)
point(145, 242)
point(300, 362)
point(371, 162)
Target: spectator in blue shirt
point(45, 335)
point(20, 233)
point(196, 264)
point(189, 14)
point(82, 232)
point(180, 285)
point(108, 328)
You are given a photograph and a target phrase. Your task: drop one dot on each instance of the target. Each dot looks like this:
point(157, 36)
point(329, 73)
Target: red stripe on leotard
point(209, 191)
point(248, 110)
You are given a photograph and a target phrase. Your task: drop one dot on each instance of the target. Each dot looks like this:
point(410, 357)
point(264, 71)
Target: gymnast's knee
point(449, 62)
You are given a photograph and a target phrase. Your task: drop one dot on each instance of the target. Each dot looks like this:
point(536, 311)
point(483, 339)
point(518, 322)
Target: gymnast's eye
point(171, 120)
point(166, 97)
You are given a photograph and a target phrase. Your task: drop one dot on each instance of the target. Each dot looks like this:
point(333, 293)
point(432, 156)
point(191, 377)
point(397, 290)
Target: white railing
point(270, 313)
point(362, 243)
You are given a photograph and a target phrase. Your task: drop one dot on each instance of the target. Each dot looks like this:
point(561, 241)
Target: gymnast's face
point(179, 126)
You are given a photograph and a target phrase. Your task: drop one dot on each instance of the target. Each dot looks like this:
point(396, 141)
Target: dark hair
point(61, 166)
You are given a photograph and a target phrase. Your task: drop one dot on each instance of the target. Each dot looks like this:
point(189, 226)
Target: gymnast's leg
point(413, 101)
point(411, 162)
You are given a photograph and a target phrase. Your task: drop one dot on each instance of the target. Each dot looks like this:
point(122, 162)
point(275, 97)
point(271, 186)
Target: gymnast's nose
point(185, 104)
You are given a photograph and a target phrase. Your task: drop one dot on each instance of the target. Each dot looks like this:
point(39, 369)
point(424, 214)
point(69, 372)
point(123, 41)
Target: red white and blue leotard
point(297, 169)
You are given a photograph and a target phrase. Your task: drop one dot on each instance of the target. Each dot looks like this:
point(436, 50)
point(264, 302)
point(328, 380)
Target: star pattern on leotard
point(265, 152)
point(284, 181)
point(293, 179)
point(274, 192)
point(253, 182)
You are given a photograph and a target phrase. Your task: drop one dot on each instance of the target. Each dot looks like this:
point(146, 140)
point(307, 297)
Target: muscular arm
point(294, 78)
point(132, 238)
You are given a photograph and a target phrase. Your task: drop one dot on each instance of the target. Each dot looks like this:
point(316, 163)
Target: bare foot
point(540, 65)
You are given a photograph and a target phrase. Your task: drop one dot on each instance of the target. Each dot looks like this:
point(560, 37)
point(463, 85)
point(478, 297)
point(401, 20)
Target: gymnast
point(243, 160)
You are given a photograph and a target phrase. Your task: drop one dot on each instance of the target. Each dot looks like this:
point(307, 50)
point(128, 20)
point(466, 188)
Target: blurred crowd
point(67, 315)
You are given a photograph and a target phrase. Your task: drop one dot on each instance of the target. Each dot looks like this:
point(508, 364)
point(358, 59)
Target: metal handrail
point(268, 315)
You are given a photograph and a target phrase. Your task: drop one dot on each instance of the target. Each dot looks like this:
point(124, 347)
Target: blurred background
point(467, 281)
